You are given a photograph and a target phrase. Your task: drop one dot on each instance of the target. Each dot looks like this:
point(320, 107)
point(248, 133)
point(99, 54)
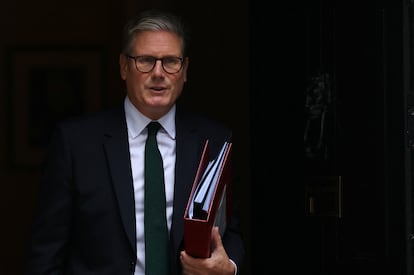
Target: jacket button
point(132, 267)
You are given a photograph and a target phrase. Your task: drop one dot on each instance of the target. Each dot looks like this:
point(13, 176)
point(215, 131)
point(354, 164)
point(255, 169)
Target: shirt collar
point(136, 121)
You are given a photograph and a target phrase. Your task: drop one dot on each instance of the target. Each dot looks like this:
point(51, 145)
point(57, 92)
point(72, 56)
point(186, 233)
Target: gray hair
point(153, 20)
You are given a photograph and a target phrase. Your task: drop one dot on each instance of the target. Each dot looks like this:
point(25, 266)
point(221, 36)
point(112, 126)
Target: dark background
point(366, 50)
point(362, 53)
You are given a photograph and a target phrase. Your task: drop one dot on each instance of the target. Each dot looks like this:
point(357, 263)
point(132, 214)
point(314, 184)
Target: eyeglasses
point(146, 63)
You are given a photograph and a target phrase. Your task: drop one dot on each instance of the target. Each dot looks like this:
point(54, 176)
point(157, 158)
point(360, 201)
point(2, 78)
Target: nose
point(158, 69)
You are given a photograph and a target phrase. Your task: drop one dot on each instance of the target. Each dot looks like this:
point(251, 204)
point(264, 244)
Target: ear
point(123, 65)
point(185, 67)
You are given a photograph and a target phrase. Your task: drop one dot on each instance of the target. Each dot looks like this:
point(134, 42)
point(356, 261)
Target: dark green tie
point(156, 232)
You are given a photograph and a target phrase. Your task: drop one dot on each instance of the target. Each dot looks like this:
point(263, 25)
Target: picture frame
point(47, 85)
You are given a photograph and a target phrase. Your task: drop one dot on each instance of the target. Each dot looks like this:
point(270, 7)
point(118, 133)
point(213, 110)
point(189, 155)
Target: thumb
point(216, 239)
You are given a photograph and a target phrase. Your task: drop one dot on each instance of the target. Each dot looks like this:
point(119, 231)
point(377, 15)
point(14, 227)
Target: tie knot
point(153, 127)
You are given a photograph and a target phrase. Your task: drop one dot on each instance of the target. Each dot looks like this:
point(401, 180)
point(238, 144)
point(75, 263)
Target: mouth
point(157, 89)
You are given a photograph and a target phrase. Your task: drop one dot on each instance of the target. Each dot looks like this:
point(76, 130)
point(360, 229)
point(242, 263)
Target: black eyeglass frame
point(155, 62)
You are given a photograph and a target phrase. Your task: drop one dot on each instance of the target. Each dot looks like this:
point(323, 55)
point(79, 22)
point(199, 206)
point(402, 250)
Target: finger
point(216, 238)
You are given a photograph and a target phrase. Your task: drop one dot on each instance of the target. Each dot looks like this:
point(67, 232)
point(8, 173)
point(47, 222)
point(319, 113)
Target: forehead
point(157, 43)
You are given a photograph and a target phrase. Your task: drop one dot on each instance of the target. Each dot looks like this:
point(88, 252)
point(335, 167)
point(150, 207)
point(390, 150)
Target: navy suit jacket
point(85, 219)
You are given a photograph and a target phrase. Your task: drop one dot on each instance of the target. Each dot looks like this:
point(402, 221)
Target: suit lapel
point(188, 151)
point(117, 151)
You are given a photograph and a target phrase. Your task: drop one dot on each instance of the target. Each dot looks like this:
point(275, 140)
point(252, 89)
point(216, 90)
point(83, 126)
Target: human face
point(155, 92)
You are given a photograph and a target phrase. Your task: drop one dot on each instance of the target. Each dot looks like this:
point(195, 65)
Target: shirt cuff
point(235, 266)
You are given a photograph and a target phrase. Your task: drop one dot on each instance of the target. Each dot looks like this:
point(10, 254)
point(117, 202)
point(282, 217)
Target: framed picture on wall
point(47, 85)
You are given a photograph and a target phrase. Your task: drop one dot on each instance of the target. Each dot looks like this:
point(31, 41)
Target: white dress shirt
point(137, 135)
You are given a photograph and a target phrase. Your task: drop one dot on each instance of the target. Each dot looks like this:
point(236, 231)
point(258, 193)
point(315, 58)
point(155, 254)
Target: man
point(90, 216)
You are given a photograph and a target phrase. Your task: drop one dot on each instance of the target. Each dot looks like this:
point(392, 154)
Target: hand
point(218, 263)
